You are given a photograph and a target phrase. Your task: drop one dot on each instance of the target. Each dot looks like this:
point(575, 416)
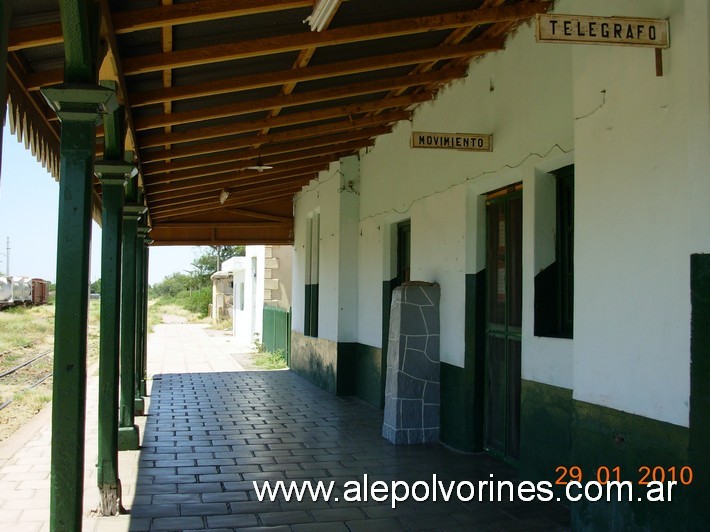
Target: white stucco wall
point(505, 94)
point(249, 320)
point(322, 197)
point(633, 225)
point(641, 149)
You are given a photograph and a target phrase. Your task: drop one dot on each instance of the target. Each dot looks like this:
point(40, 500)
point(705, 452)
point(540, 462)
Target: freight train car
point(40, 291)
point(15, 291)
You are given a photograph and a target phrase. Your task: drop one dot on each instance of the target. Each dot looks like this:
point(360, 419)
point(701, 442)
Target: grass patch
point(194, 302)
point(26, 326)
point(269, 360)
point(224, 324)
point(172, 306)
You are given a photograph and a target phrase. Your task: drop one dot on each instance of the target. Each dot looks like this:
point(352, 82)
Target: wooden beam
point(200, 193)
point(271, 79)
point(295, 134)
point(157, 17)
point(148, 141)
point(239, 164)
point(213, 204)
point(264, 104)
point(356, 66)
point(205, 163)
point(196, 193)
point(214, 225)
point(283, 241)
point(260, 199)
point(232, 178)
point(261, 215)
point(211, 197)
point(350, 34)
point(202, 11)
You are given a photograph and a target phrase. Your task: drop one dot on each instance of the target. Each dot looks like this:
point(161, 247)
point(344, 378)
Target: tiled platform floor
point(209, 434)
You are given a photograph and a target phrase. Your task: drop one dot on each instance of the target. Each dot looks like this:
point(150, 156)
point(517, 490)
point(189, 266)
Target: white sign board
point(582, 29)
point(452, 141)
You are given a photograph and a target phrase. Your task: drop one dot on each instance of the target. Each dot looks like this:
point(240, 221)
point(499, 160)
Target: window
point(310, 326)
point(554, 286)
point(404, 245)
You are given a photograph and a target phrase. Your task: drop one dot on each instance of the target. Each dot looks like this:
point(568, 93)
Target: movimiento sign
point(452, 141)
point(581, 29)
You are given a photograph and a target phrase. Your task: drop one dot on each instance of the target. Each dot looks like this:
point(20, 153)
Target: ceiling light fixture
point(259, 166)
point(323, 13)
point(223, 196)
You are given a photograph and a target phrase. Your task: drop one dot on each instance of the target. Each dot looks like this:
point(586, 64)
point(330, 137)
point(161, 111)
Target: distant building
point(250, 287)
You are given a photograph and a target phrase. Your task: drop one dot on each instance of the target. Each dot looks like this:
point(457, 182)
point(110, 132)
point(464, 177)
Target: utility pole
point(7, 257)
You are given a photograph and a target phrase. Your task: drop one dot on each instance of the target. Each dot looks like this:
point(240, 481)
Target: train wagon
point(19, 290)
point(40, 291)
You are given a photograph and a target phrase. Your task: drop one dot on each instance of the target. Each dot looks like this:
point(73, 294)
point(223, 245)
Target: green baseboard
point(700, 387)
point(139, 406)
point(458, 422)
point(128, 438)
point(315, 359)
point(606, 437)
point(545, 429)
point(369, 374)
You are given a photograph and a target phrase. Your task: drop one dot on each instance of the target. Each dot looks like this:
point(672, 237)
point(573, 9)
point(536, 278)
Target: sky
point(29, 198)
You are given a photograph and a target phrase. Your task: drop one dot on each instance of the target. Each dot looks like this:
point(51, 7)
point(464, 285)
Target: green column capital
point(82, 102)
point(134, 211)
point(113, 169)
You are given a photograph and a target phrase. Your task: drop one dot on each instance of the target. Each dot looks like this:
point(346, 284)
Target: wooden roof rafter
point(213, 87)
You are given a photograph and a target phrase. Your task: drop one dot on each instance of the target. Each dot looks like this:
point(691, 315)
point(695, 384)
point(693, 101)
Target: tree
point(96, 286)
point(211, 259)
point(173, 284)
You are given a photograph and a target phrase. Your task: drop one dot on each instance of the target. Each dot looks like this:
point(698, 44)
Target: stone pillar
point(412, 385)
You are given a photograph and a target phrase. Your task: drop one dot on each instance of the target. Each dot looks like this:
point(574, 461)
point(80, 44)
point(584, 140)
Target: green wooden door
point(504, 239)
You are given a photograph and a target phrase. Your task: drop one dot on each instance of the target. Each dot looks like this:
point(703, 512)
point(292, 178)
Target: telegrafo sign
point(452, 141)
point(603, 30)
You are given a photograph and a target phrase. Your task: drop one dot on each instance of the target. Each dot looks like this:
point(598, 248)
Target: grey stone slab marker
point(412, 389)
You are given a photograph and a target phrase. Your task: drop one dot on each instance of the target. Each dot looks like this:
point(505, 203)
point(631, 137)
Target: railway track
point(19, 367)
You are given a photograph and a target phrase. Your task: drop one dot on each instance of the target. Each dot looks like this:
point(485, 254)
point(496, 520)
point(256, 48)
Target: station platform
point(212, 429)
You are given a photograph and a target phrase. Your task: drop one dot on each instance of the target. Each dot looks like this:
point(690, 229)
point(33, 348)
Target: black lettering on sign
point(652, 33)
point(592, 30)
point(567, 25)
point(617, 31)
point(553, 23)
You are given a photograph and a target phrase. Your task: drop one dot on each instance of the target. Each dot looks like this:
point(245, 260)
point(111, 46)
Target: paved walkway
point(212, 429)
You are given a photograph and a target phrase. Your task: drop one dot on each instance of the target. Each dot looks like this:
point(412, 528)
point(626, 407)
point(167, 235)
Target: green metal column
point(146, 253)
point(112, 172)
point(128, 431)
point(140, 310)
point(79, 104)
point(5, 16)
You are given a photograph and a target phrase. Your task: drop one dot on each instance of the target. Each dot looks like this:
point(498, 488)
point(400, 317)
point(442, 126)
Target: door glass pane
point(515, 265)
point(496, 397)
point(513, 432)
point(495, 263)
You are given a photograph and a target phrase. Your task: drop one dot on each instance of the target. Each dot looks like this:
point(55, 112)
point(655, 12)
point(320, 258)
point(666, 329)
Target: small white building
point(245, 285)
